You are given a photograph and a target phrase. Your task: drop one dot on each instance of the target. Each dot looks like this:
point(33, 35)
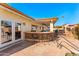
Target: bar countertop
point(39, 32)
point(39, 35)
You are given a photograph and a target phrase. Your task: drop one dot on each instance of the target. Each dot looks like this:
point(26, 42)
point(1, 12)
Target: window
point(6, 31)
point(17, 31)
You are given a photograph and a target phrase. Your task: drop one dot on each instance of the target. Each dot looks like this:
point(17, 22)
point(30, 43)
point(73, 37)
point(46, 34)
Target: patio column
point(22, 32)
point(13, 31)
point(51, 26)
point(66, 28)
point(0, 32)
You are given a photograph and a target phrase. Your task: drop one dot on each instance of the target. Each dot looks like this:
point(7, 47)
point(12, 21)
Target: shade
point(47, 20)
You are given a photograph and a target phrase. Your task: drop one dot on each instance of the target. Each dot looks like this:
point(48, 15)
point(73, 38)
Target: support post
point(0, 32)
point(13, 31)
point(51, 26)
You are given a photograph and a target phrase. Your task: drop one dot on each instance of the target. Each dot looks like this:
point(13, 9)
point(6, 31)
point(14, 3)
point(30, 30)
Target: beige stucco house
point(13, 24)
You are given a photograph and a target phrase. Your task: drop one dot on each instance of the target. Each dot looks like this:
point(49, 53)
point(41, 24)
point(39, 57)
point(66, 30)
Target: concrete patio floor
point(15, 48)
point(27, 48)
point(42, 49)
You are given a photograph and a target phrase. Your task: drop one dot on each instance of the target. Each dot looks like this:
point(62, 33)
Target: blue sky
point(70, 11)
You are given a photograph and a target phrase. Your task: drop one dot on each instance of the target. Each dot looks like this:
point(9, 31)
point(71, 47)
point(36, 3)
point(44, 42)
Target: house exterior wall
point(70, 30)
point(8, 15)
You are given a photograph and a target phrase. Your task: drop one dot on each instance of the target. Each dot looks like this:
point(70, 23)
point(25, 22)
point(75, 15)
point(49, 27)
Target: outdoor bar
point(45, 32)
point(39, 36)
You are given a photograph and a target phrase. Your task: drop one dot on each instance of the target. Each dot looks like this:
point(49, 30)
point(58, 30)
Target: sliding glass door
point(6, 31)
point(17, 31)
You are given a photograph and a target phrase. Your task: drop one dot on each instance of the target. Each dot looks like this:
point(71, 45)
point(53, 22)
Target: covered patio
point(43, 32)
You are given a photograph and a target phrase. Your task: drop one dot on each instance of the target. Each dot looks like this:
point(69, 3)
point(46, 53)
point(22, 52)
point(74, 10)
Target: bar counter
point(39, 36)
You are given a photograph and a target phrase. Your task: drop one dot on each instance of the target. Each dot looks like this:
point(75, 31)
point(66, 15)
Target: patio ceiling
point(46, 20)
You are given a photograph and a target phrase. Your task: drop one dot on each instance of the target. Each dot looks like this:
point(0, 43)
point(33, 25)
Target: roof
point(47, 20)
point(13, 9)
point(42, 20)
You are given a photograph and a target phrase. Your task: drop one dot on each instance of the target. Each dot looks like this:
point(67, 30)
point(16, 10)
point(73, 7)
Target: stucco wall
point(7, 15)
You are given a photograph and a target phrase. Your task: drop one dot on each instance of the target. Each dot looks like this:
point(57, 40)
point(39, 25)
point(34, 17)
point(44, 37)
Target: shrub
point(71, 54)
point(77, 31)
